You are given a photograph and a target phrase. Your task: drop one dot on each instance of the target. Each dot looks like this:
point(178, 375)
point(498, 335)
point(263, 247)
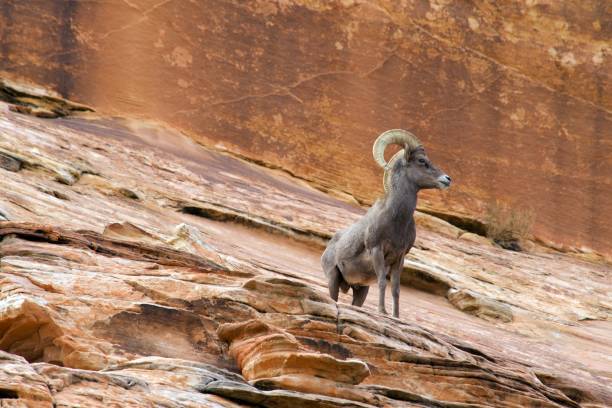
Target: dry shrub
point(508, 225)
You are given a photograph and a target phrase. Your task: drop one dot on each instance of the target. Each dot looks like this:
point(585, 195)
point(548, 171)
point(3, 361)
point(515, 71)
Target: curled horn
point(388, 167)
point(393, 136)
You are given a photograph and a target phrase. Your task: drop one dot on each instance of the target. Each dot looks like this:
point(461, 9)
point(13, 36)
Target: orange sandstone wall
point(512, 98)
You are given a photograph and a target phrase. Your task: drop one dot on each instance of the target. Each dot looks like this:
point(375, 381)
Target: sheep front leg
point(396, 271)
point(380, 268)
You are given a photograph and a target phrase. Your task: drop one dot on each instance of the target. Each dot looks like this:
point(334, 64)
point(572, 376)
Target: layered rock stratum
point(140, 269)
point(513, 98)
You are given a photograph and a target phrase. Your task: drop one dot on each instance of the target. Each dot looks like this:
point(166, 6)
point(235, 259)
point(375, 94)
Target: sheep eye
point(422, 161)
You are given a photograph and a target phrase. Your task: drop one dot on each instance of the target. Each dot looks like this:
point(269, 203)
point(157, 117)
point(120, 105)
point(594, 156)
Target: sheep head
point(411, 161)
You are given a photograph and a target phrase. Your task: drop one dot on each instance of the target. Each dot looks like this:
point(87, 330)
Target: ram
point(373, 248)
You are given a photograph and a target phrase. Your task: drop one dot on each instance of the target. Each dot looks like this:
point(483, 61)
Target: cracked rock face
point(204, 289)
point(514, 102)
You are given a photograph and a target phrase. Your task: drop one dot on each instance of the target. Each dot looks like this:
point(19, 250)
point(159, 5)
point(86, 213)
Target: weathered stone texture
point(203, 288)
point(513, 99)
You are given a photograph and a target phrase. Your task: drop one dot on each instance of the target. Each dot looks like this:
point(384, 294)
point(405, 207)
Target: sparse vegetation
point(508, 225)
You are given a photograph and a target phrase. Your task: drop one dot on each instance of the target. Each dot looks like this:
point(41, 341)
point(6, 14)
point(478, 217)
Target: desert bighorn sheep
point(374, 247)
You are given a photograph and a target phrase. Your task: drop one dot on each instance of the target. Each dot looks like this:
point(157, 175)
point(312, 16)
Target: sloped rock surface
point(38, 102)
point(113, 299)
point(478, 305)
point(21, 384)
point(513, 100)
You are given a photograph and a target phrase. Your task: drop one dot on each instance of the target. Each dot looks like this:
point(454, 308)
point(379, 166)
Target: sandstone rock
point(21, 385)
point(479, 305)
point(189, 239)
point(138, 319)
point(106, 187)
point(35, 101)
point(306, 86)
point(263, 352)
point(279, 295)
point(477, 239)
point(65, 173)
point(27, 326)
point(421, 277)
point(9, 162)
point(276, 398)
point(35, 111)
point(157, 381)
point(436, 224)
point(130, 232)
point(315, 385)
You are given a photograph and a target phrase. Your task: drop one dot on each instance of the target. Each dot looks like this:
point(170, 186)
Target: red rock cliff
point(513, 99)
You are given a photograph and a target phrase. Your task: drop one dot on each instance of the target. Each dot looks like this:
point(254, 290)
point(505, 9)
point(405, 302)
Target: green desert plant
point(508, 225)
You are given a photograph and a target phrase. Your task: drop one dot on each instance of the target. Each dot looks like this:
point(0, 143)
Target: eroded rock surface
point(203, 288)
point(512, 100)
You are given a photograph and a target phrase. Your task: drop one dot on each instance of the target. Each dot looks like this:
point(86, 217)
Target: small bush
point(508, 225)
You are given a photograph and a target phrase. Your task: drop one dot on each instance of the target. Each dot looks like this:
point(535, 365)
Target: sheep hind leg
point(359, 294)
point(334, 282)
